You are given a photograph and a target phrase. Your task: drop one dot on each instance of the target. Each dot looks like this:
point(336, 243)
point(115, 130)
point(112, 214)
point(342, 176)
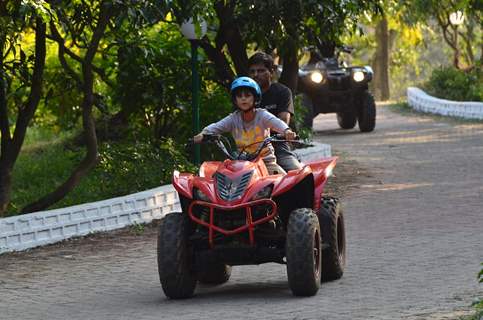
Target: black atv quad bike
point(330, 86)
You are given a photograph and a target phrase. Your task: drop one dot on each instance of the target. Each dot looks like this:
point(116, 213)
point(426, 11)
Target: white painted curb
point(421, 101)
point(316, 152)
point(46, 227)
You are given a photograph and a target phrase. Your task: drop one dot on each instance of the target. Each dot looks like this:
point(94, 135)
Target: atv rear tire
point(367, 112)
point(175, 257)
point(333, 239)
point(303, 252)
point(216, 273)
point(346, 120)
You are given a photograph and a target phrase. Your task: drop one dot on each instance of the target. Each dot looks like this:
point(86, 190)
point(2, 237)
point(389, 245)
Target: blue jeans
point(287, 159)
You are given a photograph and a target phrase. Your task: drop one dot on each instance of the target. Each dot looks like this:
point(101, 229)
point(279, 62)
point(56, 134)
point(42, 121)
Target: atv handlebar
point(222, 142)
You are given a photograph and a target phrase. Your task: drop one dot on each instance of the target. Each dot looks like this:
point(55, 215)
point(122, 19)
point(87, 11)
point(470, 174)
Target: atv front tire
point(333, 239)
point(216, 273)
point(175, 257)
point(367, 112)
point(346, 120)
point(303, 252)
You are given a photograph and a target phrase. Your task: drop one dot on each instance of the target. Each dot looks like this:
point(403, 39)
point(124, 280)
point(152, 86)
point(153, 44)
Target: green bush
point(478, 304)
point(298, 120)
point(457, 85)
point(136, 166)
point(126, 167)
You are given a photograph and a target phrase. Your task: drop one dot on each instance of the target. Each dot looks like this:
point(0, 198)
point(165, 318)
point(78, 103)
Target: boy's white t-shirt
point(246, 133)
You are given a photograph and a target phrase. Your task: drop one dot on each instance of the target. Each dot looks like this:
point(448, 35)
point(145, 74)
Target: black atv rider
point(277, 99)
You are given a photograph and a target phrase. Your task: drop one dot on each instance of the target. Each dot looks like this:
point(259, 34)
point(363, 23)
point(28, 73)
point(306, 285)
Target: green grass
point(478, 313)
point(42, 164)
point(404, 109)
point(47, 160)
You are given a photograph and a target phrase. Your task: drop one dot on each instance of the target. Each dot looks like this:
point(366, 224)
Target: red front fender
point(183, 183)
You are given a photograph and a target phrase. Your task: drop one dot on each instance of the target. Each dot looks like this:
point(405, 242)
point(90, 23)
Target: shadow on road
point(269, 290)
point(336, 132)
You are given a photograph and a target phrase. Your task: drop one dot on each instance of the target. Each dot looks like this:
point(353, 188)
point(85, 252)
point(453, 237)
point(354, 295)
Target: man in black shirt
point(277, 99)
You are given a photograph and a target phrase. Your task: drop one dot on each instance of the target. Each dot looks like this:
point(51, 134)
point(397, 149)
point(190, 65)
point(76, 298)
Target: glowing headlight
point(200, 195)
point(316, 77)
point(358, 76)
point(264, 193)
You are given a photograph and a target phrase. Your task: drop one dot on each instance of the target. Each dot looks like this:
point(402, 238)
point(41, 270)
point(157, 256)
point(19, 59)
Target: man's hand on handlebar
point(198, 138)
point(290, 135)
point(206, 138)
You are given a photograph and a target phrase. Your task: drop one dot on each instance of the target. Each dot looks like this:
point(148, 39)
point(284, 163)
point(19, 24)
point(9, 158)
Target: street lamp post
point(456, 19)
point(193, 33)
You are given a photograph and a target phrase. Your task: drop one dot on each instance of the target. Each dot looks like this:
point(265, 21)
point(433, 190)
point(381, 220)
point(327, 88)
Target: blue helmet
point(246, 82)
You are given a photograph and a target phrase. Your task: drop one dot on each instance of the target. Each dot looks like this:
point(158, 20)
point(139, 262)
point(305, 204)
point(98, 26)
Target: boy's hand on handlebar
point(290, 135)
point(198, 138)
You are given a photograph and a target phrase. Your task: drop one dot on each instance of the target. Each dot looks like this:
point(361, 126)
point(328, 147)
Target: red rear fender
point(322, 169)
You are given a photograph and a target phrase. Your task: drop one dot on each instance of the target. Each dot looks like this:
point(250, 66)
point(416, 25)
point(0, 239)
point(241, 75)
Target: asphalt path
point(412, 192)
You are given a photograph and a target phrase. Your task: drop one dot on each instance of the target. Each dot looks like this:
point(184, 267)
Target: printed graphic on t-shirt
point(244, 138)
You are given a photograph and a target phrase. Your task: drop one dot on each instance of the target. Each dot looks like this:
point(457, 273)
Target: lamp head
point(456, 18)
point(192, 30)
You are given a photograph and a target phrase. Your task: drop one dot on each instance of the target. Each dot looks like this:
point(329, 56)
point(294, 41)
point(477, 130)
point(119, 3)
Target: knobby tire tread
point(176, 274)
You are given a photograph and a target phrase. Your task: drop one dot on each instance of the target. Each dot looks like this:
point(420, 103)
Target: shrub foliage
point(458, 85)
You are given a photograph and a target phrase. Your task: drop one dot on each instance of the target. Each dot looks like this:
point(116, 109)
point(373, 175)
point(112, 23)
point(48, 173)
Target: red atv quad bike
point(235, 213)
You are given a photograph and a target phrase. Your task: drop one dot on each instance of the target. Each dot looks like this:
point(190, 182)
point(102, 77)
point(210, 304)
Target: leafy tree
point(85, 24)
point(388, 28)
point(469, 32)
point(130, 65)
point(281, 26)
point(21, 77)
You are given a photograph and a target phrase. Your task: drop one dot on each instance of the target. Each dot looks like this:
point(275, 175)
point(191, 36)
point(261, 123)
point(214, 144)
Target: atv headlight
point(358, 76)
point(316, 77)
point(264, 193)
point(200, 195)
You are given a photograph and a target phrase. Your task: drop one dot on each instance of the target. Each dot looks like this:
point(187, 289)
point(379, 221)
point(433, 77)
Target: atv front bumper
point(251, 218)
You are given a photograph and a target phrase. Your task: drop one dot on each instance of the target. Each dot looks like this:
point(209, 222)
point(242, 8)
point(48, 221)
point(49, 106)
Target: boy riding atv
point(236, 213)
point(249, 125)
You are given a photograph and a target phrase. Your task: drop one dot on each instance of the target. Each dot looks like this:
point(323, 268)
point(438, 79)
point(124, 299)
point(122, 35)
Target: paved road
point(413, 204)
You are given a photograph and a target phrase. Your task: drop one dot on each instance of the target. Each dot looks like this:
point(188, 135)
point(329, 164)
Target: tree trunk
point(381, 61)
point(91, 157)
point(289, 76)
point(450, 35)
point(5, 169)
point(231, 35)
point(468, 39)
point(10, 147)
point(222, 66)
point(5, 187)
